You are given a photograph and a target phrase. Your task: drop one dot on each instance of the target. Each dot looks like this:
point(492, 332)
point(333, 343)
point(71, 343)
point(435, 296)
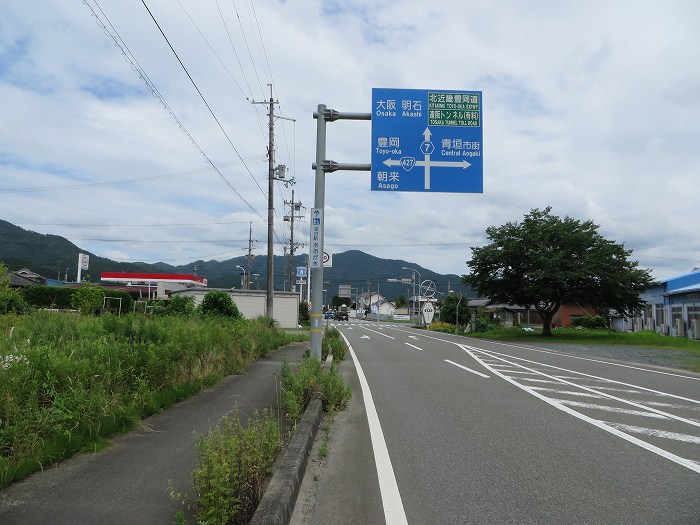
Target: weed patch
point(67, 381)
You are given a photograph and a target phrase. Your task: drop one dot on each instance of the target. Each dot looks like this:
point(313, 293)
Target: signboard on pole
point(428, 312)
point(427, 140)
point(327, 260)
point(316, 245)
point(84, 261)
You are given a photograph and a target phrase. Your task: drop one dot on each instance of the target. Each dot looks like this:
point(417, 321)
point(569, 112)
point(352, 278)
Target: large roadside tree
point(546, 261)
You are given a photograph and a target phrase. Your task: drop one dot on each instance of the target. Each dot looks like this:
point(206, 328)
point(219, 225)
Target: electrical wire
point(133, 62)
point(84, 225)
point(245, 39)
point(201, 95)
point(117, 182)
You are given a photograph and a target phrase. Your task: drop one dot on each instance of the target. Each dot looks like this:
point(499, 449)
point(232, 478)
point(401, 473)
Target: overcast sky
point(590, 107)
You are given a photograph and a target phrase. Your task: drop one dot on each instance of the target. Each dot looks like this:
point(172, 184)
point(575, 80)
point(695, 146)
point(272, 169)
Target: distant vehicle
point(328, 314)
point(341, 316)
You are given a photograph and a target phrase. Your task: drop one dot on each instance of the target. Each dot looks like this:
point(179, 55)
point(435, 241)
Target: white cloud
point(589, 107)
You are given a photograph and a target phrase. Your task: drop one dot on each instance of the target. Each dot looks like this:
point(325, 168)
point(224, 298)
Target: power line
point(84, 225)
point(117, 182)
point(262, 133)
point(212, 49)
point(252, 60)
point(131, 59)
point(201, 96)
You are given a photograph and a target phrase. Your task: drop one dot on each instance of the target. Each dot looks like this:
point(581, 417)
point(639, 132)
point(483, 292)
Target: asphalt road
point(483, 432)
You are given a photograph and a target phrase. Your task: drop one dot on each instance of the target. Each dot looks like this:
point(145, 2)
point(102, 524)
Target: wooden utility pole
point(270, 204)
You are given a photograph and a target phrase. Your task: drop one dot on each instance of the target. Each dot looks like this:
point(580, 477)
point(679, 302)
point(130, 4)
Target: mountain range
point(55, 257)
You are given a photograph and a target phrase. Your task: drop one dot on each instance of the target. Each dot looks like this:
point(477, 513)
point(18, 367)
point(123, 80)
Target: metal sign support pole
point(319, 203)
point(321, 167)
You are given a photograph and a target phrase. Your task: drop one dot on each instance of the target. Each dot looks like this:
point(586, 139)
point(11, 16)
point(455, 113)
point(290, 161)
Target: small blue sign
point(427, 140)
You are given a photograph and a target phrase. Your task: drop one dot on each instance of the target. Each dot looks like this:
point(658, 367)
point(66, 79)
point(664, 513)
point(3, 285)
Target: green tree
point(304, 317)
point(546, 261)
point(10, 300)
point(400, 301)
point(88, 299)
point(219, 303)
point(339, 301)
point(181, 305)
point(448, 309)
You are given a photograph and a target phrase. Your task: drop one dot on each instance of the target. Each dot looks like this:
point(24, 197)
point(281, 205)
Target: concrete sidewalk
point(128, 483)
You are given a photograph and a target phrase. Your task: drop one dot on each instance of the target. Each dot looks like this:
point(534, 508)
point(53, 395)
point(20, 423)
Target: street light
point(414, 289)
point(244, 282)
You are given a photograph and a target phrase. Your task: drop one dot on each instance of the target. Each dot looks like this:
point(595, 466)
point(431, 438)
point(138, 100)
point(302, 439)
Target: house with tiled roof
point(25, 277)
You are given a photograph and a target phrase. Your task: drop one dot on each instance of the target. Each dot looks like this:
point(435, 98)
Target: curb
point(277, 504)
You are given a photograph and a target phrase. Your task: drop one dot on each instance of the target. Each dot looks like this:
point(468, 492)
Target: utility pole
point(249, 257)
point(270, 200)
point(294, 208)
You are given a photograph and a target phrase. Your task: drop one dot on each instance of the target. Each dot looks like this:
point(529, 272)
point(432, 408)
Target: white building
point(377, 305)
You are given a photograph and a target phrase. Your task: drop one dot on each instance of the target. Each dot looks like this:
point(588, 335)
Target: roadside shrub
point(233, 463)
point(333, 344)
point(298, 387)
point(181, 305)
point(595, 322)
point(88, 299)
point(48, 296)
point(442, 327)
point(219, 303)
point(11, 302)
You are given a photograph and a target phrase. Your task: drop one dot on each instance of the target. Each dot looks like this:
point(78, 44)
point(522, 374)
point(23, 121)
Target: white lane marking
point(574, 357)
point(533, 380)
point(394, 513)
point(465, 368)
point(566, 392)
point(668, 405)
point(652, 432)
point(493, 355)
point(606, 408)
point(377, 332)
point(626, 390)
point(689, 464)
point(414, 346)
point(595, 360)
point(364, 337)
point(413, 337)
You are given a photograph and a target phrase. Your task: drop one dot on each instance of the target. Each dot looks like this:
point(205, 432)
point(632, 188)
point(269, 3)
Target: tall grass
point(66, 380)
point(234, 462)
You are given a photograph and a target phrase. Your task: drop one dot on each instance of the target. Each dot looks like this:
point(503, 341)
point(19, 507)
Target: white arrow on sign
point(438, 163)
point(426, 162)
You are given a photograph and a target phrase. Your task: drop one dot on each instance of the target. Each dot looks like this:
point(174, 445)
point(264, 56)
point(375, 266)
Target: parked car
point(341, 316)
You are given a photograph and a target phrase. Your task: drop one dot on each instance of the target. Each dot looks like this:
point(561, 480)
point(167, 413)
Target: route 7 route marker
point(436, 130)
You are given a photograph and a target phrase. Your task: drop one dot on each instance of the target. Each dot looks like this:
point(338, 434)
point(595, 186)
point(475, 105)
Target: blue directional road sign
point(427, 140)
